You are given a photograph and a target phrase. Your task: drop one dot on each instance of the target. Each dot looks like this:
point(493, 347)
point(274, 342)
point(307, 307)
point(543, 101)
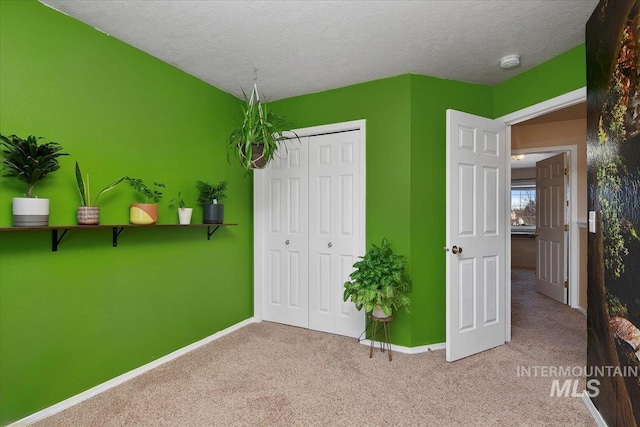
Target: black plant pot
point(212, 213)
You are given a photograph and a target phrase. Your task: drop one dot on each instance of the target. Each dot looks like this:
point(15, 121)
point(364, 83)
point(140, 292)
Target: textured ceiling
point(301, 47)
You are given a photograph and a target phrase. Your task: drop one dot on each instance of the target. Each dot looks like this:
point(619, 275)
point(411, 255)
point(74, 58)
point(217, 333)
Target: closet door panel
point(334, 186)
point(286, 293)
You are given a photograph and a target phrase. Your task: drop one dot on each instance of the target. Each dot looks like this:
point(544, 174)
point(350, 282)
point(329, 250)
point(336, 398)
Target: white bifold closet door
point(312, 232)
point(286, 251)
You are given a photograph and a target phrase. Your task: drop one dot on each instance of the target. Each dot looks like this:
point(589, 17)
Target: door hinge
point(566, 171)
point(566, 284)
point(566, 227)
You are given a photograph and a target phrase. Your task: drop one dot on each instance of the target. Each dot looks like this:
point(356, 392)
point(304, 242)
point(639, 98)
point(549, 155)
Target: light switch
point(592, 221)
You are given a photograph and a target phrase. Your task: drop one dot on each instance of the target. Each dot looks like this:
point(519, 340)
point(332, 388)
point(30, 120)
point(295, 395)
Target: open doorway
point(561, 131)
point(478, 186)
point(539, 113)
point(540, 215)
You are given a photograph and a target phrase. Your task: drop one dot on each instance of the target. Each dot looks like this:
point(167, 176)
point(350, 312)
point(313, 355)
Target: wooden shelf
point(116, 229)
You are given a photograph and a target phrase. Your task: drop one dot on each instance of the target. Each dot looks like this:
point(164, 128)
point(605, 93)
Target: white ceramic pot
point(377, 312)
point(184, 215)
point(30, 212)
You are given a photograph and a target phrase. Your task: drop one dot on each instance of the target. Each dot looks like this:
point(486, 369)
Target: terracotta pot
point(30, 212)
point(88, 215)
point(143, 213)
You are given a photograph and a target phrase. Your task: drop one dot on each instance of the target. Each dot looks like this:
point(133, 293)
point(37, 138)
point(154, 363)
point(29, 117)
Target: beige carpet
point(276, 375)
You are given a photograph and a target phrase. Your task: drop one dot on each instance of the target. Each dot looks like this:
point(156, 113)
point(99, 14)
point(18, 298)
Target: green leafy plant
point(209, 192)
point(380, 279)
point(181, 203)
point(29, 161)
point(154, 195)
point(260, 127)
point(83, 188)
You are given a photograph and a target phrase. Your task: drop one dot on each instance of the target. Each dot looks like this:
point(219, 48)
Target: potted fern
point(88, 213)
point(30, 162)
point(210, 195)
point(255, 142)
point(380, 282)
point(145, 213)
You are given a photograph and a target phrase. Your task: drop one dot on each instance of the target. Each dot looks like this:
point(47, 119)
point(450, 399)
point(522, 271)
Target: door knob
point(456, 250)
point(330, 244)
point(286, 242)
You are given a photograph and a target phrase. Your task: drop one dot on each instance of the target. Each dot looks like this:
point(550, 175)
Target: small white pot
point(184, 215)
point(378, 312)
point(30, 212)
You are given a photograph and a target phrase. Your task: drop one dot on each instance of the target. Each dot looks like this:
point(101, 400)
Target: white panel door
point(285, 256)
point(476, 236)
point(551, 217)
point(334, 230)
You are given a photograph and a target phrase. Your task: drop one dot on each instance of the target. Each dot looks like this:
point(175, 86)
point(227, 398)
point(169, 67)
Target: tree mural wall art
point(613, 133)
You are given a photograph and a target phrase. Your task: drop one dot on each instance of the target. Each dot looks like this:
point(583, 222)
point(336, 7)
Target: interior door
point(551, 217)
point(476, 234)
point(334, 231)
point(286, 288)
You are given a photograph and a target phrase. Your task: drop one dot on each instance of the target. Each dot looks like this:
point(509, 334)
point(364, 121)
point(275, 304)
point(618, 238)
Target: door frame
point(573, 246)
point(259, 216)
point(562, 101)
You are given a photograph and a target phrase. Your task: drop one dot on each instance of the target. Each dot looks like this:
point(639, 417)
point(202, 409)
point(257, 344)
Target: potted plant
point(212, 211)
point(380, 282)
point(30, 162)
point(145, 213)
point(184, 213)
point(255, 142)
point(88, 213)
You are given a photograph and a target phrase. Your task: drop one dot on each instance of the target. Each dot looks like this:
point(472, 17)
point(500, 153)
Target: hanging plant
point(255, 143)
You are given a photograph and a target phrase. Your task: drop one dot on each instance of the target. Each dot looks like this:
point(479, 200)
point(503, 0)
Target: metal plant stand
point(385, 344)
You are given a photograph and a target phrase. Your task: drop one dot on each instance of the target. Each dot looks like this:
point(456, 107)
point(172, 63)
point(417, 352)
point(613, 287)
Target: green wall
point(78, 317)
point(386, 107)
point(75, 318)
point(406, 141)
point(557, 76)
point(405, 176)
point(430, 98)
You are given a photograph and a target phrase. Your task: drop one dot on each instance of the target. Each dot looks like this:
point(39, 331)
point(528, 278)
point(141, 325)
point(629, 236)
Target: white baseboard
point(593, 410)
point(581, 310)
point(411, 350)
point(74, 400)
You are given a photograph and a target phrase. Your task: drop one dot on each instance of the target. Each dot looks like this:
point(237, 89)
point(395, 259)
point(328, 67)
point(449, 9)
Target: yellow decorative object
point(143, 213)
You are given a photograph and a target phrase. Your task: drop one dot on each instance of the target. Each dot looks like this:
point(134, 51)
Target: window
point(523, 206)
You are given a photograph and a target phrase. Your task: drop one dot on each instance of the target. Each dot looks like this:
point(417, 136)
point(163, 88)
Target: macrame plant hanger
point(255, 97)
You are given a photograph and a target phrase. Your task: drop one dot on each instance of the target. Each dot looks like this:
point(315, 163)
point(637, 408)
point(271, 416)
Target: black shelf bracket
point(116, 233)
point(55, 241)
point(210, 232)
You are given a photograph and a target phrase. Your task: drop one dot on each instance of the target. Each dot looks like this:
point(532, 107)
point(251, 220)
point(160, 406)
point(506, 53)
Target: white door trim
point(259, 217)
point(559, 102)
point(566, 100)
